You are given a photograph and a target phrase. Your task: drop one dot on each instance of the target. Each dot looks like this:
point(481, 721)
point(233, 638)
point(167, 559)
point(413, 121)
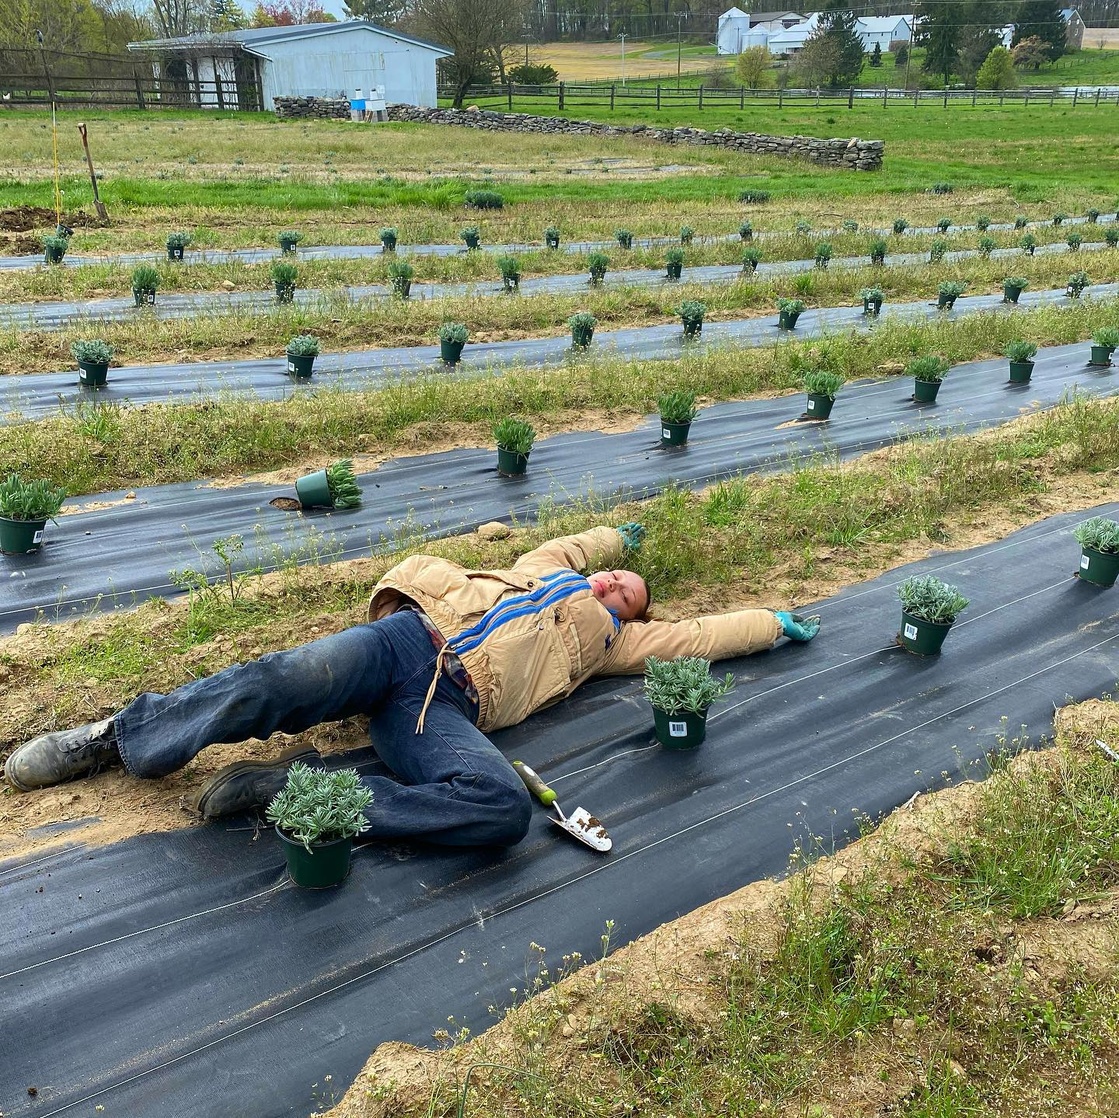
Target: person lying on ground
point(447, 655)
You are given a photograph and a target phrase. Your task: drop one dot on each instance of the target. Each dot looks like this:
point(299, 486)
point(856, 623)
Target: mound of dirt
point(20, 246)
point(24, 218)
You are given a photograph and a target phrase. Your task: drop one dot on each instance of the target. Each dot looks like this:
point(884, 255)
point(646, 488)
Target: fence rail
point(141, 90)
point(567, 95)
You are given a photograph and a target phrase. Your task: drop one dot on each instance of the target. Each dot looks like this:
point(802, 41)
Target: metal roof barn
point(249, 69)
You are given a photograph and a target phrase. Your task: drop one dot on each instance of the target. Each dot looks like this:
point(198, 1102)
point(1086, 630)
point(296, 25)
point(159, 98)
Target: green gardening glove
point(798, 628)
point(632, 534)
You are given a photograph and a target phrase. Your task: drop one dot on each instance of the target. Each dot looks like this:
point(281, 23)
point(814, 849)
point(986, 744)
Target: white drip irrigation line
point(144, 931)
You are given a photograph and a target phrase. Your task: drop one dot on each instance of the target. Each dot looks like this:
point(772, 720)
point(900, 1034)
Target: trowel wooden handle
point(534, 784)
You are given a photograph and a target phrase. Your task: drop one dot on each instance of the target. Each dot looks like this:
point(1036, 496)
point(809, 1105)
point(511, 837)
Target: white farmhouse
point(883, 30)
point(734, 34)
point(250, 69)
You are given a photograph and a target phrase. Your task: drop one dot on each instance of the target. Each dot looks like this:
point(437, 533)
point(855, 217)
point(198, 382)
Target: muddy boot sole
point(247, 786)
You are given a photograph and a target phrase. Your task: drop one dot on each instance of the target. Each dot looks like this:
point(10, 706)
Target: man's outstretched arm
point(716, 637)
point(588, 551)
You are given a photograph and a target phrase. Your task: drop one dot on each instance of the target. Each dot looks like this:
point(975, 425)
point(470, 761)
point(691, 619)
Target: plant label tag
point(910, 632)
point(38, 537)
point(811, 405)
point(677, 729)
point(291, 366)
point(1085, 562)
point(666, 433)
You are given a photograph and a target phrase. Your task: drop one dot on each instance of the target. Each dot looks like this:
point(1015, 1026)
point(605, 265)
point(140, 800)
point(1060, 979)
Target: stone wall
point(324, 108)
point(853, 154)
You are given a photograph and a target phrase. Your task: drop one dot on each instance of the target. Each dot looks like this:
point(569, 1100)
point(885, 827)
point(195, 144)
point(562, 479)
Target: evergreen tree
point(976, 44)
point(383, 12)
point(1044, 21)
point(901, 56)
point(836, 25)
point(939, 29)
point(875, 59)
point(227, 15)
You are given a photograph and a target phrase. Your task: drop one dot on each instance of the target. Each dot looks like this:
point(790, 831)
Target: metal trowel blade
point(586, 828)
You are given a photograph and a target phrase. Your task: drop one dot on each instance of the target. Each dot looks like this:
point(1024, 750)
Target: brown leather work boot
point(247, 786)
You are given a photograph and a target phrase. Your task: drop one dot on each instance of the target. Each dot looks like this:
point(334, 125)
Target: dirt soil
point(23, 219)
point(671, 966)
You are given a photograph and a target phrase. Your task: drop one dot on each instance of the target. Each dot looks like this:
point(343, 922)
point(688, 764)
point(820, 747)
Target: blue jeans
point(454, 787)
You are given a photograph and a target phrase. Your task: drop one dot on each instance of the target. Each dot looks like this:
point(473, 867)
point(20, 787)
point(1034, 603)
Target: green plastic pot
point(510, 463)
point(920, 636)
point(682, 730)
point(1021, 371)
point(402, 287)
point(174, 253)
point(326, 864)
point(300, 366)
point(819, 406)
point(1101, 355)
point(675, 271)
point(472, 242)
point(313, 490)
point(1099, 567)
point(946, 302)
point(93, 374)
point(872, 307)
point(924, 391)
point(1011, 292)
point(143, 296)
point(17, 537)
point(581, 336)
point(787, 320)
point(388, 244)
point(53, 255)
point(674, 434)
point(450, 352)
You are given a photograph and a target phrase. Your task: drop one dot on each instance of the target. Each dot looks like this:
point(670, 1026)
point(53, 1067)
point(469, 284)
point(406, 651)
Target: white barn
point(734, 34)
point(249, 69)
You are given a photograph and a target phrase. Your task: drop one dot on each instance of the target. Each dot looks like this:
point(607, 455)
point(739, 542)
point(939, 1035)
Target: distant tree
point(227, 15)
point(290, 13)
point(1043, 20)
point(901, 56)
point(478, 31)
point(875, 59)
point(939, 32)
point(533, 73)
point(383, 12)
point(1031, 53)
point(997, 71)
point(752, 67)
point(837, 23)
point(173, 18)
point(815, 63)
point(976, 44)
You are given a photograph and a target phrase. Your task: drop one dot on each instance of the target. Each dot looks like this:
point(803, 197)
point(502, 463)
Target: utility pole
point(679, 17)
point(623, 38)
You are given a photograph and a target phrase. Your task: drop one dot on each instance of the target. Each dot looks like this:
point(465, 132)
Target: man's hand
point(632, 534)
point(798, 628)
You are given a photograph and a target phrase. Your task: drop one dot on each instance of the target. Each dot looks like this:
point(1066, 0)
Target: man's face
point(623, 592)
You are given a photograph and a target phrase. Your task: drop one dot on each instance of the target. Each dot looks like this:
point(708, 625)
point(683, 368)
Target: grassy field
point(888, 980)
point(601, 61)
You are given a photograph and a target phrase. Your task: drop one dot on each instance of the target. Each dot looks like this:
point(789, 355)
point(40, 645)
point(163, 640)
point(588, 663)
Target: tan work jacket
point(530, 635)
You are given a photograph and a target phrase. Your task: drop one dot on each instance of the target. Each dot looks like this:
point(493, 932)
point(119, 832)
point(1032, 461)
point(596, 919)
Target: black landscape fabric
point(111, 551)
point(180, 974)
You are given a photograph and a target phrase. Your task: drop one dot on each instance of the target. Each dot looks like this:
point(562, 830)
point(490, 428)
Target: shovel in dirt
point(580, 823)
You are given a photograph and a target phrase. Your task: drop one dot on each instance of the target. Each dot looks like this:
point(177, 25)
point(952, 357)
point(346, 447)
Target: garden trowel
point(580, 823)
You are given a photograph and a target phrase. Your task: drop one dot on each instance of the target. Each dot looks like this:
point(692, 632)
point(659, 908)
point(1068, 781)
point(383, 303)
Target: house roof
point(731, 13)
point(883, 23)
point(255, 37)
point(768, 17)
